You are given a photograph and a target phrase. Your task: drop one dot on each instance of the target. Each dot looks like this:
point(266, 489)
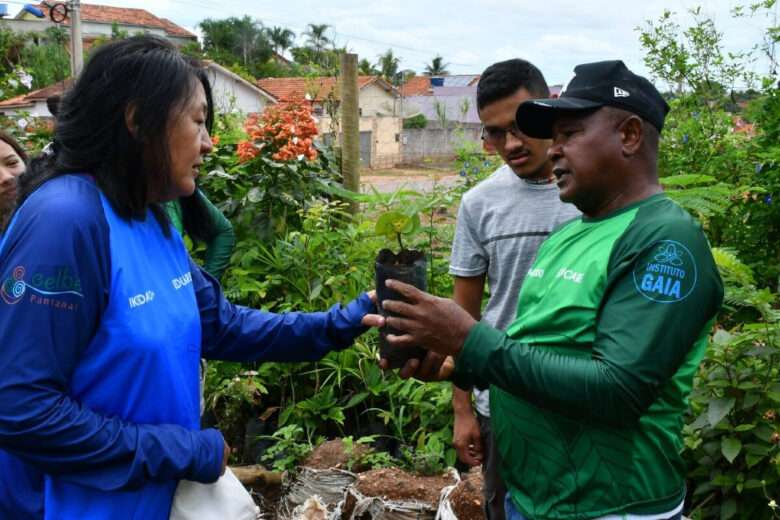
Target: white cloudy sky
point(470, 35)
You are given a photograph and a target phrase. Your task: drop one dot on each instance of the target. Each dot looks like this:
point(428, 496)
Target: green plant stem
point(704, 502)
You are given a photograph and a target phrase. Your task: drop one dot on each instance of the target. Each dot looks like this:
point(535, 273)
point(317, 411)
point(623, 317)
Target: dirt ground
point(396, 484)
point(467, 499)
point(417, 179)
point(332, 455)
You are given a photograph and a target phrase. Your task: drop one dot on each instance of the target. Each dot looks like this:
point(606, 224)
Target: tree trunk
point(350, 127)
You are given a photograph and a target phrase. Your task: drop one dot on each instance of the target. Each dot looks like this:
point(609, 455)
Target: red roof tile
point(127, 16)
point(417, 86)
point(317, 88)
point(38, 95)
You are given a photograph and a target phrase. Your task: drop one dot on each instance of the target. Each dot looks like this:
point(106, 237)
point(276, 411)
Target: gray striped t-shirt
point(502, 221)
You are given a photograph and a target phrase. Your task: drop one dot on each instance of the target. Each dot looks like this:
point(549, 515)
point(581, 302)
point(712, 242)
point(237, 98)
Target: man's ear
point(132, 126)
point(631, 135)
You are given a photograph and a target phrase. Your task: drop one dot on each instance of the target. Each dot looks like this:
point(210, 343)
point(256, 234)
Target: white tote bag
point(225, 499)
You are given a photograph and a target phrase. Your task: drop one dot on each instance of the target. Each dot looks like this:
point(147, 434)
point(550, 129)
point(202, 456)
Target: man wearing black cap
point(589, 383)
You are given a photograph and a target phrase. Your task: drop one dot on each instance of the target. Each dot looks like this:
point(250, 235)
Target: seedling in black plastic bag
point(407, 266)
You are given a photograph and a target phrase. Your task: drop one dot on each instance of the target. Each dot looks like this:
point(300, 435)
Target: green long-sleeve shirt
point(589, 384)
point(219, 246)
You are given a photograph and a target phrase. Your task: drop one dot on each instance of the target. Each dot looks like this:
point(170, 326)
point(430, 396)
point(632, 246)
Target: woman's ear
point(132, 126)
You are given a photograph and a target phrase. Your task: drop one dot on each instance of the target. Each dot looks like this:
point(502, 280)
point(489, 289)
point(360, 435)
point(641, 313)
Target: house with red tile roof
point(34, 102)
point(230, 92)
point(379, 105)
point(377, 96)
point(97, 21)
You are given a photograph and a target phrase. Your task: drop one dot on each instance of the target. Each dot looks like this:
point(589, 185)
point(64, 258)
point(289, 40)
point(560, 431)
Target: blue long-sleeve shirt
point(102, 322)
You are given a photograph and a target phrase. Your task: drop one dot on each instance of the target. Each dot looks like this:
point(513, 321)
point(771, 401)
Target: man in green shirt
point(590, 382)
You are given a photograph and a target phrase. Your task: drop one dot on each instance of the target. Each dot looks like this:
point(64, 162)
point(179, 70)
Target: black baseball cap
point(595, 85)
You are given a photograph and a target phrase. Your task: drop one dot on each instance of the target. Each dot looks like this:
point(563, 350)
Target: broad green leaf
point(730, 447)
point(752, 459)
point(750, 400)
point(728, 509)
point(356, 399)
point(700, 422)
point(721, 338)
point(719, 408)
point(390, 223)
point(255, 195)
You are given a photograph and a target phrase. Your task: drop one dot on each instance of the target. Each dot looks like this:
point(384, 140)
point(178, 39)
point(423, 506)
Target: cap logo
point(619, 92)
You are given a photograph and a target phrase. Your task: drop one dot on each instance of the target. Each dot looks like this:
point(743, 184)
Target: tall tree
point(388, 66)
point(436, 67)
point(236, 40)
point(366, 68)
point(281, 38)
point(316, 37)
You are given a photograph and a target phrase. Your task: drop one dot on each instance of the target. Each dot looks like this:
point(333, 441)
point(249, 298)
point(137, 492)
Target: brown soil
point(396, 484)
point(467, 499)
point(332, 455)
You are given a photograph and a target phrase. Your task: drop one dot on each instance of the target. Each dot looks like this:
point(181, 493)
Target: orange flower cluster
point(287, 129)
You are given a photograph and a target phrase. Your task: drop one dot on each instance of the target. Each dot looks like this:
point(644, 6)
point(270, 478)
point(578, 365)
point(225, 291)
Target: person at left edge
point(103, 315)
point(13, 162)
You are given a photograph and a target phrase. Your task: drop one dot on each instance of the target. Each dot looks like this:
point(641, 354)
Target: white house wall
point(38, 109)
point(374, 100)
point(230, 94)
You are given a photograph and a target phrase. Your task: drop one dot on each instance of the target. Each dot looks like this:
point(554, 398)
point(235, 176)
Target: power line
point(221, 9)
point(426, 52)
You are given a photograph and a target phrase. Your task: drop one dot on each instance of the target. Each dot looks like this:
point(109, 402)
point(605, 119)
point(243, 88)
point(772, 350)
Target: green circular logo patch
point(666, 273)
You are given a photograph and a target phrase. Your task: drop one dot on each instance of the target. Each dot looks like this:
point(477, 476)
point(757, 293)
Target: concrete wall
point(385, 138)
point(386, 135)
point(433, 142)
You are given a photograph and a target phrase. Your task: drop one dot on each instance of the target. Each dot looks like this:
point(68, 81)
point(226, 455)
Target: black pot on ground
point(410, 267)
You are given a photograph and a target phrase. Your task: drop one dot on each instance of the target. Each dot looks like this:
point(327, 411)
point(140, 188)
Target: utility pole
point(76, 49)
point(350, 126)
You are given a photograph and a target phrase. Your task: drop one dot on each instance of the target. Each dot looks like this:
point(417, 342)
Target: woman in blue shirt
point(103, 315)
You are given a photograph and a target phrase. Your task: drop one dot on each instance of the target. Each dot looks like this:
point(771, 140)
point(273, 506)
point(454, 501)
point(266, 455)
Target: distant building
point(229, 91)
point(380, 125)
point(232, 92)
point(452, 96)
point(34, 102)
point(97, 22)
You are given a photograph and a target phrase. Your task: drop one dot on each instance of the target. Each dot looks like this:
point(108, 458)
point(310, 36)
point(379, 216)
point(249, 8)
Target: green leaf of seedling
point(391, 223)
point(730, 447)
point(356, 399)
point(412, 225)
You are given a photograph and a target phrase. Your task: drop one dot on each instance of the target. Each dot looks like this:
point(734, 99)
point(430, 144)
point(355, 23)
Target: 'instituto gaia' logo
point(667, 273)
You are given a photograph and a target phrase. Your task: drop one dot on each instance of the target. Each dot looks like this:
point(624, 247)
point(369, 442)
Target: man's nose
point(555, 152)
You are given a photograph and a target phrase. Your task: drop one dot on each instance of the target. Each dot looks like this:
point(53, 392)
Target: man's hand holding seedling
point(437, 324)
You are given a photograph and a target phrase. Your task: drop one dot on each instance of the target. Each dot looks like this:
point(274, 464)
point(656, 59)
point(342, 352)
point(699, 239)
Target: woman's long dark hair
point(139, 83)
point(194, 214)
